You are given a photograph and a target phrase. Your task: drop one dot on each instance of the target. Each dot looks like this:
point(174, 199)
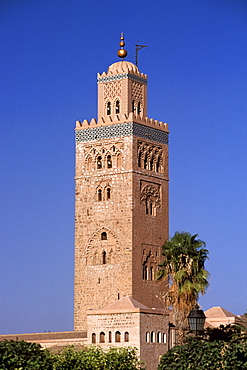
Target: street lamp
point(196, 319)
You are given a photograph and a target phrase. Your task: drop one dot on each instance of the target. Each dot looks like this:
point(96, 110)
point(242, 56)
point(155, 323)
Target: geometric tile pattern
point(121, 129)
point(123, 75)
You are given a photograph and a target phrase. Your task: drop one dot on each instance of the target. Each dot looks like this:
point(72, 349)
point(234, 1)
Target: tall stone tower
point(121, 210)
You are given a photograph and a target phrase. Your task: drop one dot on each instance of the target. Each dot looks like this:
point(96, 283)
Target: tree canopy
point(184, 267)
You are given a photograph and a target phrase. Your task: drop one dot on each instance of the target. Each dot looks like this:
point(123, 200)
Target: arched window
point(99, 162)
point(152, 337)
point(119, 160)
point(151, 273)
point(126, 337)
point(158, 337)
point(117, 110)
point(133, 106)
point(158, 165)
point(140, 159)
point(104, 258)
point(151, 166)
point(147, 337)
point(108, 109)
point(104, 236)
point(164, 338)
point(109, 162)
point(99, 195)
point(145, 165)
point(117, 336)
point(145, 272)
point(110, 336)
point(139, 108)
point(108, 193)
point(93, 338)
point(102, 337)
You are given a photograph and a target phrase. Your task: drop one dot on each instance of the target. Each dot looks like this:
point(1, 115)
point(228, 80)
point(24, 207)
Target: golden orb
point(122, 44)
point(122, 53)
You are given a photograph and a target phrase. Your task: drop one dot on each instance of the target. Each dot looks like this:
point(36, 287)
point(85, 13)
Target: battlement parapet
point(122, 118)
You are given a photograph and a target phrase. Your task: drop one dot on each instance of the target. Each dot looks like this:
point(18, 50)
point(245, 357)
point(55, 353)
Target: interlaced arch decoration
point(104, 157)
point(150, 195)
point(150, 157)
point(103, 250)
point(149, 263)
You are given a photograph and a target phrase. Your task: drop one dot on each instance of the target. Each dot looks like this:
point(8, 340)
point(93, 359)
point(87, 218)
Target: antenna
point(139, 47)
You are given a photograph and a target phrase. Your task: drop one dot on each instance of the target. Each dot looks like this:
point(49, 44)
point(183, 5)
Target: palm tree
point(183, 266)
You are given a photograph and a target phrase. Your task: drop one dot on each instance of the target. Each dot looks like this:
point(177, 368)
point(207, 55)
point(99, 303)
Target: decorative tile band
point(122, 129)
point(123, 75)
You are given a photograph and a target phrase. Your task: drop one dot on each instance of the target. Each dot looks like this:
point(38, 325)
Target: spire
point(122, 53)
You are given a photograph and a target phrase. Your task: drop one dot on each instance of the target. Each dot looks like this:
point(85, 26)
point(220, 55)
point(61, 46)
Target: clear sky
point(50, 53)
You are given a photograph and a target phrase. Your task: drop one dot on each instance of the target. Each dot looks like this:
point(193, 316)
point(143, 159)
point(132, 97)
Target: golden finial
point(122, 53)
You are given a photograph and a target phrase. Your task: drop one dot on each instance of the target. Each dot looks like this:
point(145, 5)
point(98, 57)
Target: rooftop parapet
point(122, 67)
point(122, 118)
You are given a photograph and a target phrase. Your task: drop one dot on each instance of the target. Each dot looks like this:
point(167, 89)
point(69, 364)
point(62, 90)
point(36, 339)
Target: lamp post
point(196, 319)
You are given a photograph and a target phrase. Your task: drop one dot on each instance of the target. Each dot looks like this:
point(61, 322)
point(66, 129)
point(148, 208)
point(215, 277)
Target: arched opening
point(119, 160)
point(151, 273)
point(152, 337)
point(145, 272)
point(140, 159)
point(104, 258)
point(126, 336)
point(158, 165)
point(99, 195)
point(117, 110)
point(147, 337)
point(117, 337)
point(145, 164)
point(108, 109)
point(99, 162)
point(102, 337)
point(139, 108)
point(108, 193)
point(89, 164)
point(158, 337)
point(93, 338)
point(109, 161)
point(104, 236)
point(110, 337)
point(133, 106)
point(151, 165)
point(164, 338)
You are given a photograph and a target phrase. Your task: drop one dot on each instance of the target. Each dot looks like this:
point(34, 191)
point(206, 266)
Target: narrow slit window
point(117, 336)
point(104, 258)
point(139, 108)
point(99, 162)
point(133, 106)
point(99, 195)
point(108, 193)
point(117, 107)
point(108, 109)
point(104, 236)
point(126, 337)
point(110, 336)
point(109, 162)
point(93, 338)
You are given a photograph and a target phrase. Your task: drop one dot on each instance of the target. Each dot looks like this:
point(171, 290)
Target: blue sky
point(50, 54)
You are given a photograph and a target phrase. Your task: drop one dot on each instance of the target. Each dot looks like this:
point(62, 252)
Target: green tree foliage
point(20, 355)
point(94, 358)
point(183, 266)
point(201, 355)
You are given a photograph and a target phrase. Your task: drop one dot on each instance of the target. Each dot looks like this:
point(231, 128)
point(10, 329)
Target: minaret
point(121, 210)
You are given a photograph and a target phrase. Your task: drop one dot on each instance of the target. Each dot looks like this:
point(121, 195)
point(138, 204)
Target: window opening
point(113, 148)
point(158, 337)
point(99, 195)
point(145, 272)
point(118, 296)
point(152, 164)
point(104, 258)
point(145, 161)
point(102, 337)
point(104, 236)
point(126, 336)
point(117, 107)
point(108, 193)
point(164, 338)
point(93, 338)
point(117, 336)
point(152, 339)
point(151, 273)
point(109, 162)
point(133, 106)
point(108, 109)
point(110, 336)
point(139, 159)
point(147, 337)
point(99, 162)
point(158, 165)
point(139, 108)
point(98, 280)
